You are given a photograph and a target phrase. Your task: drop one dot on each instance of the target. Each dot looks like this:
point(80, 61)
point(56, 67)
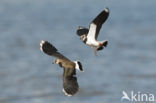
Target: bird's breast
point(92, 43)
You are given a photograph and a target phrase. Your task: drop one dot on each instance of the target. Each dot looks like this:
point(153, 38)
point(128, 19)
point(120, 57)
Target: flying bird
point(89, 36)
point(70, 84)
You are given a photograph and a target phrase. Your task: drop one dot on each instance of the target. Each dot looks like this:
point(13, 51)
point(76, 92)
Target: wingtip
point(69, 95)
point(106, 9)
point(41, 44)
point(79, 27)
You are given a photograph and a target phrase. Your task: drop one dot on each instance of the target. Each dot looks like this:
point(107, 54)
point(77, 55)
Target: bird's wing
point(92, 32)
point(82, 31)
point(70, 84)
point(49, 49)
point(96, 24)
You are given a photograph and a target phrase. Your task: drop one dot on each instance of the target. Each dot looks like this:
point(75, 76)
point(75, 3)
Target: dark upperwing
point(70, 84)
point(82, 31)
point(99, 20)
point(49, 49)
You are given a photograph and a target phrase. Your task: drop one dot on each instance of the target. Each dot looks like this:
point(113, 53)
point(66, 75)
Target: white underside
point(92, 43)
point(66, 93)
point(91, 36)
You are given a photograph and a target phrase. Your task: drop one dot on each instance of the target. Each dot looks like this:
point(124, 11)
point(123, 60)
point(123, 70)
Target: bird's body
point(65, 63)
point(70, 85)
point(89, 36)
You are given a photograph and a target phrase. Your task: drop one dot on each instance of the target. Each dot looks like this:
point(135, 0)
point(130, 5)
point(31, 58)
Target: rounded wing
point(96, 24)
point(82, 31)
point(70, 84)
point(49, 49)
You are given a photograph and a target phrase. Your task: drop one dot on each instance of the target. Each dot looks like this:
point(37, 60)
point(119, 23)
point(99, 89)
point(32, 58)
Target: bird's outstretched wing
point(96, 24)
point(70, 84)
point(82, 31)
point(49, 49)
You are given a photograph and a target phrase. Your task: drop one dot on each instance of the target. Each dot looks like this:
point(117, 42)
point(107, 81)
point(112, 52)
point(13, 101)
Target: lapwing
point(70, 84)
point(89, 36)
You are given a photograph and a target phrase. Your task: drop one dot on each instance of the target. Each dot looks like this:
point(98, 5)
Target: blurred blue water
point(128, 63)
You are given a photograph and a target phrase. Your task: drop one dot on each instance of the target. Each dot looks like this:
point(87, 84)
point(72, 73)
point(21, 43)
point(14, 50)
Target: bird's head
point(78, 65)
point(56, 61)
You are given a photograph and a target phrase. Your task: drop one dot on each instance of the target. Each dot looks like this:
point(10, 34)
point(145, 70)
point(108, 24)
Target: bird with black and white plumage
point(89, 36)
point(70, 84)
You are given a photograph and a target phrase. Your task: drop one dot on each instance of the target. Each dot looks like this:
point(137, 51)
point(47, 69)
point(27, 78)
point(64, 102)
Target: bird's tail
point(47, 48)
point(105, 43)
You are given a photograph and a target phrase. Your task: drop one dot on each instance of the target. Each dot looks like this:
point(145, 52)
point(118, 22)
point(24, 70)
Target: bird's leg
point(95, 51)
point(54, 62)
